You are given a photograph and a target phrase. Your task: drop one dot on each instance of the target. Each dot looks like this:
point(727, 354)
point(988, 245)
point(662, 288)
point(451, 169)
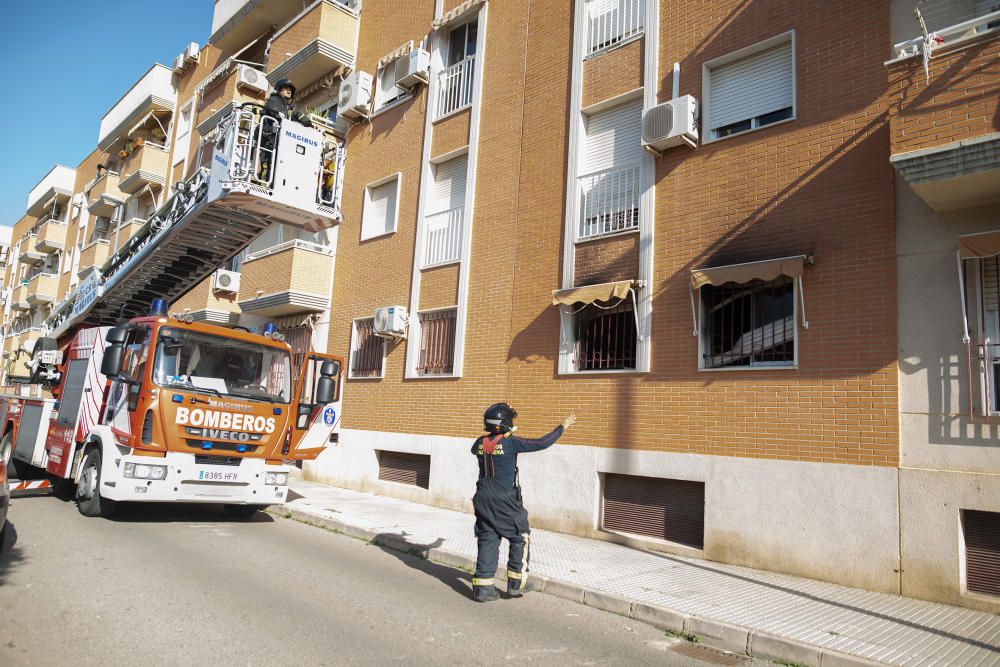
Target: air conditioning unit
point(671, 124)
point(191, 52)
point(226, 281)
point(255, 80)
point(355, 96)
point(391, 321)
point(413, 69)
point(179, 63)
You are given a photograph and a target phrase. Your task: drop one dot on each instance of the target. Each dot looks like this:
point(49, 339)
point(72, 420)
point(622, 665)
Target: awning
point(985, 244)
point(456, 13)
point(767, 269)
point(401, 51)
point(590, 293)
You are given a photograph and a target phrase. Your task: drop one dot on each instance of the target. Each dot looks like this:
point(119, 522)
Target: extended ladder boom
point(264, 170)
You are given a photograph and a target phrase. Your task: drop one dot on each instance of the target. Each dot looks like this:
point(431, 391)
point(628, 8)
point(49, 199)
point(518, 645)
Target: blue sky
point(66, 63)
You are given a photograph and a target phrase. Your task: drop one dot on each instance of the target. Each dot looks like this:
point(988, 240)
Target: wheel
point(88, 491)
point(15, 469)
point(7, 447)
point(242, 511)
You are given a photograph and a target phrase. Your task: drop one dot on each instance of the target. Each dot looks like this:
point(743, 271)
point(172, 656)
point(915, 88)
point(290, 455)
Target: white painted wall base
point(832, 522)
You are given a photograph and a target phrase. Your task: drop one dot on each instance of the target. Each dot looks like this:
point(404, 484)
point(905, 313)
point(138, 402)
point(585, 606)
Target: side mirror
point(329, 369)
point(111, 365)
point(324, 390)
point(117, 335)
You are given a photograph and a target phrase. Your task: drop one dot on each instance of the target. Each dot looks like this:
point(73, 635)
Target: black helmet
point(284, 83)
point(499, 418)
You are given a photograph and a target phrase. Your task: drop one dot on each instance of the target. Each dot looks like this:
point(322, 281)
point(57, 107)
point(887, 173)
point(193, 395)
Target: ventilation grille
point(402, 468)
point(982, 551)
point(665, 509)
point(208, 460)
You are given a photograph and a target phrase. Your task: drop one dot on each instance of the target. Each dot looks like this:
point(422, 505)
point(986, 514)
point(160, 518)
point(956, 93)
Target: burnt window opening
point(749, 324)
point(605, 336)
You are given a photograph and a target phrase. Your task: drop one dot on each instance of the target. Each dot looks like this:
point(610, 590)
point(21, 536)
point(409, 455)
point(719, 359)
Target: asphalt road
point(168, 585)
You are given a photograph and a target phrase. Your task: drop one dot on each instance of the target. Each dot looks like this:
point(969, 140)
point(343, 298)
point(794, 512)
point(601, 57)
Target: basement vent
point(666, 509)
point(982, 551)
point(403, 468)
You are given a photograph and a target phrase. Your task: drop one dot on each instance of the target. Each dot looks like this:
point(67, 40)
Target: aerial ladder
point(263, 170)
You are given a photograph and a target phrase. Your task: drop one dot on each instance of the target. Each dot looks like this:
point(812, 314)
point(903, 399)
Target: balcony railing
point(289, 277)
point(294, 243)
point(94, 255)
point(611, 22)
point(146, 165)
point(609, 202)
point(42, 288)
point(443, 234)
point(321, 41)
point(455, 86)
point(51, 236)
point(104, 196)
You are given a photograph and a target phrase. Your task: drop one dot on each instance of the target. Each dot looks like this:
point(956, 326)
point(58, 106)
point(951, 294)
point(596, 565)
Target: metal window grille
point(366, 357)
point(437, 343)
point(611, 22)
point(605, 338)
point(609, 201)
point(443, 236)
point(405, 468)
point(989, 348)
point(982, 551)
point(665, 509)
point(752, 324)
point(455, 86)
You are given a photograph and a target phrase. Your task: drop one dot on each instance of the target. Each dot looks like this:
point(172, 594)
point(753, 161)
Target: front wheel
point(88, 491)
point(242, 511)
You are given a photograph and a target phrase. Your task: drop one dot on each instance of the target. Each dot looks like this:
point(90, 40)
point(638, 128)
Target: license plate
point(218, 476)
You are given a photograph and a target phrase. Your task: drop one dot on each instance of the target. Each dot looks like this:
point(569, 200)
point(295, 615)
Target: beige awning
point(986, 244)
point(456, 13)
point(399, 52)
point(591, 293)
point(767, 269)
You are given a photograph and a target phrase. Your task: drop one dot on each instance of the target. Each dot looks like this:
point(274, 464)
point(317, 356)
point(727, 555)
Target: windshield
point(222, 366)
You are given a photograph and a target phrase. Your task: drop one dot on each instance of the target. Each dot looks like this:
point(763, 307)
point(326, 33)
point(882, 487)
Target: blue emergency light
point(270, 329)
point(158, 307)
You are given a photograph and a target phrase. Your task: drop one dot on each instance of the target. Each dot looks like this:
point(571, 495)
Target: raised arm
point(538, 444)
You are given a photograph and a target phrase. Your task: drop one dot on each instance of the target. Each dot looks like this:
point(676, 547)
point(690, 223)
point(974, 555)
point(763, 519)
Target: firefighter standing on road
point(499, 510)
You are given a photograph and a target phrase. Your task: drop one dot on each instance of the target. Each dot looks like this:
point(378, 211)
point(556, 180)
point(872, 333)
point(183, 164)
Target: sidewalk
point(767, 615)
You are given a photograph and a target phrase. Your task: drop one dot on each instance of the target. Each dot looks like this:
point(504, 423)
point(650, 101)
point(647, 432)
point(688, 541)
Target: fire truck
point(139, 405)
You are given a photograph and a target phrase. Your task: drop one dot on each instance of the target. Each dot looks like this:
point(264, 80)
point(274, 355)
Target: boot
point(518, 587)
point(485, 593)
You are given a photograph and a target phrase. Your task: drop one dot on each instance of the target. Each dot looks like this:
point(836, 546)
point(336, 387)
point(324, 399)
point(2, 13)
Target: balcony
point(104, 195)
point(236, 22)
point(145, 165)
point(203, 304)
point(609, 202)
point(945, 137)
point(443, 237)
point(320, 41)
point(19, 297)
point(153, 93)
point(127, 229)
point(51, 236)
point(42, 288)
point(29, 255)
point(93, 256)
point(455, 86)
point(58, 183)
point(291, 277)
point(221, 92)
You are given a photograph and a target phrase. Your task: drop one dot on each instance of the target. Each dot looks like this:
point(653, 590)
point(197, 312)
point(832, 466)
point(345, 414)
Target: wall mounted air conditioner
point(255, 80)
point(191, 52)
point(226, 281)
point(671, 124)
point(355, 97)
point(391, 321)
point(179, 63)
point(413, 69)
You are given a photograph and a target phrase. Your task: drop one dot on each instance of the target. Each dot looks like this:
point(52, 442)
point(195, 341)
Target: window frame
point(365, 209)
point(419, 343)
point(787, 37)
point(182, 139)
point(796, 296)
point(354, 348)
point(629, 303)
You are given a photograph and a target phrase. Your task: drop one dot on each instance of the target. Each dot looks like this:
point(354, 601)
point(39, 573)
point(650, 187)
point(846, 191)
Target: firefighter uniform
point(500, 512)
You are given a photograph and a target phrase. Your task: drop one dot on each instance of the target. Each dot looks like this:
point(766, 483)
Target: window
point(388, 92)
point(750, 324)
point(445, 212)
point(183, 137)
point(611, 22)
point(747, 91)
point(989, 278)
point(367, 350)
point(981, 534)
point(381, 208)
point(605, 337)
point(437, 342)
point(610, 169)
point(455, 89)
point(462, 42)
point(101, 231)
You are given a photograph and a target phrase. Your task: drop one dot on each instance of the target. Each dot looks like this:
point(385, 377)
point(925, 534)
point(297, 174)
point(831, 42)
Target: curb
point(716, 634)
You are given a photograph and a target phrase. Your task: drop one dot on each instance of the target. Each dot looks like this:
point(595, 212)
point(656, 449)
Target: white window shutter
point(751, 87)
point(613, 138)
point(448, 189)
point(380, 212)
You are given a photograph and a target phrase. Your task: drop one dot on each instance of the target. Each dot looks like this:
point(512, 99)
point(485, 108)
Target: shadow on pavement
point(174, 512)
point(10, 554)
point(415, 556)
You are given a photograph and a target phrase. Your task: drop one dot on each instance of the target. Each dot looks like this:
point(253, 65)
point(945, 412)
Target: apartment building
point(712, 230)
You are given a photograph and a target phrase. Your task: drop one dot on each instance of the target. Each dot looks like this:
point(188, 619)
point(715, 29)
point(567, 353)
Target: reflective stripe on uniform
point(511, 574)
point(527, 557)
point(482, 582)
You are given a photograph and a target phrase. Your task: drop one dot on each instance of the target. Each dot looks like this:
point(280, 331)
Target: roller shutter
point(405, 468)
point(665, 509)
point(751, 87)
